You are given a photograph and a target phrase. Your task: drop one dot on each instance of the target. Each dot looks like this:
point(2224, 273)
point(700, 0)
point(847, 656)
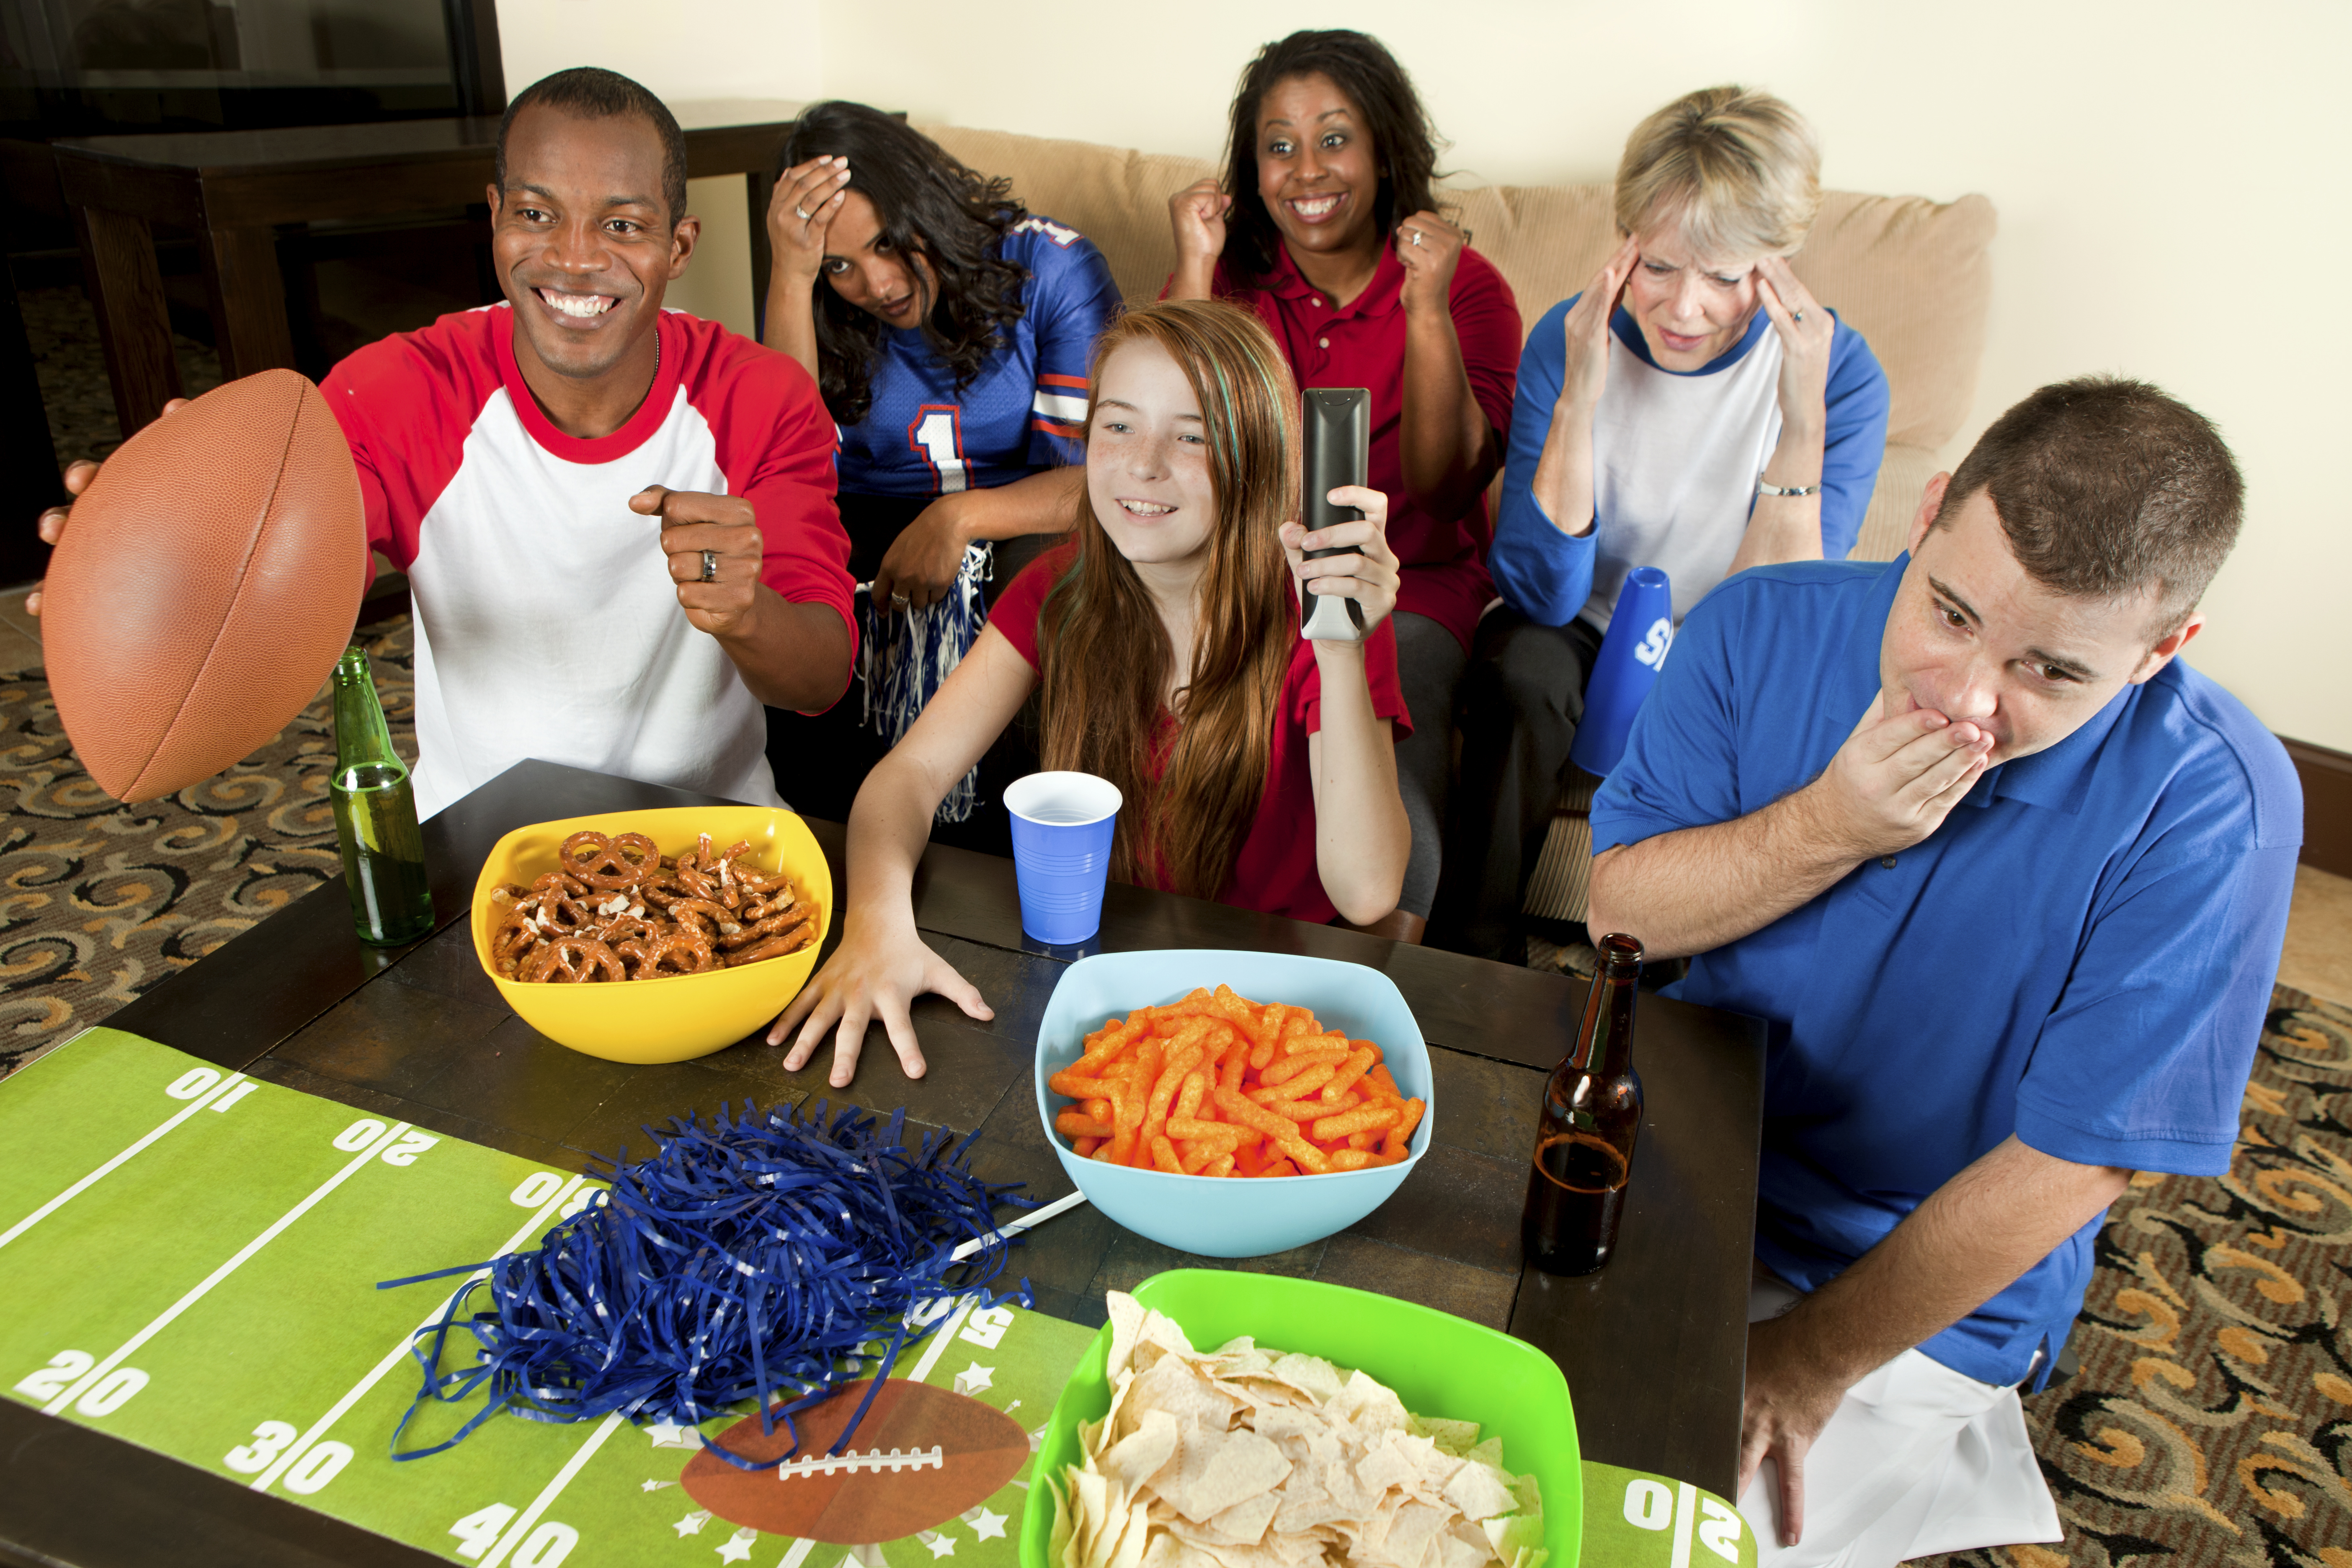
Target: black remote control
point(1339, 448)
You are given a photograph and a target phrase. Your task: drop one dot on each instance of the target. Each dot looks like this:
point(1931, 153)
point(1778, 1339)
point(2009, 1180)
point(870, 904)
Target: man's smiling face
point(583, 242)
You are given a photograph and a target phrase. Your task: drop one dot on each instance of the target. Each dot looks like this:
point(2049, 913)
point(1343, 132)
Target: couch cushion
point(1114, 195)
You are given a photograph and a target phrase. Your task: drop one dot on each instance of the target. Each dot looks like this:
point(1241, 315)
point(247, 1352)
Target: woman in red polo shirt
point(1324, 224)
point(1258, 768)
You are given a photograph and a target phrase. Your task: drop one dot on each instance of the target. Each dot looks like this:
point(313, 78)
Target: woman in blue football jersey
point(949, 330)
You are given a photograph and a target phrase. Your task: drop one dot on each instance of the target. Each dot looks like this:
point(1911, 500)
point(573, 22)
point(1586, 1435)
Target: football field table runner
point(416, 1042)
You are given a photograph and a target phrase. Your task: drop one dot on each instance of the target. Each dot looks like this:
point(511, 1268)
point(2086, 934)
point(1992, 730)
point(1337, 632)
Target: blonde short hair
point(1737, 170)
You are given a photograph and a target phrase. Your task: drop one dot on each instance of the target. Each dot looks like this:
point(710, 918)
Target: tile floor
point(2318, 958)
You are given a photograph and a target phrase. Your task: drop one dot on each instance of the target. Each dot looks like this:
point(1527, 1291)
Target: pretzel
point(573, 959)
point(511, 942)
point(676, 953)
point(617, 908)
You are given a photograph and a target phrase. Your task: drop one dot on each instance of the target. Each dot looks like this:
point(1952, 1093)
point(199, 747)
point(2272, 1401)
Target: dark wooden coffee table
point(234, 188)
point(1655, 1347)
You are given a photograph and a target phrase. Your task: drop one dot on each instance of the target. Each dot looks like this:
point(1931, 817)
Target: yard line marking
point(939, 1339)
point(131, 1344)
point(530, 1516)
point(400, 1352)
point(47, 1209)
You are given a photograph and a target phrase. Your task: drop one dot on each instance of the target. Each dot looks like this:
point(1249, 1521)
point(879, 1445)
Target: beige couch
point(1912, 275)
point(1915, 277)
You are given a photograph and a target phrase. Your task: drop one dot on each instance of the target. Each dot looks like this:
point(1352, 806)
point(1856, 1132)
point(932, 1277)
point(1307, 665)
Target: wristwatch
point(1765, 488)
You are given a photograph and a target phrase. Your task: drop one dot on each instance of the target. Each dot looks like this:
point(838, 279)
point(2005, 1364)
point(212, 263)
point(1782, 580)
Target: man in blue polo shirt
point(2013, 930)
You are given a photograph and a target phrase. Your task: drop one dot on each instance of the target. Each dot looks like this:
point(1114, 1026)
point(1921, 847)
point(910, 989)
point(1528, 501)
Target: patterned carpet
point(2211, 1423)
point(100, 901)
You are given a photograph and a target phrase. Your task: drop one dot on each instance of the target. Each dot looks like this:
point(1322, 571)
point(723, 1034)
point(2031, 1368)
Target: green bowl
point(1438, 1364)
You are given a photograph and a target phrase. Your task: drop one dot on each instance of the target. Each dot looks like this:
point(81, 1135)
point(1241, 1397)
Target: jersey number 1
point(937, 433)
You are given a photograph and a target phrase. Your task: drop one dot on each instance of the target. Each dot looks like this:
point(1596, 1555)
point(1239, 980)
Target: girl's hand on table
point(874, 974)
point(807, 198)
point(1586, 329)
point(1806, 329)
point(1371, 579)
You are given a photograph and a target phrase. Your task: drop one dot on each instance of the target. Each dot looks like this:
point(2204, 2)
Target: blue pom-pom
point(772, 1256)
point(904, 655)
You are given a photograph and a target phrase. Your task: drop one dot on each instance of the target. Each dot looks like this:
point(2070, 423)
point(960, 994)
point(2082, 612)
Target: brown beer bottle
point(1584, 1139)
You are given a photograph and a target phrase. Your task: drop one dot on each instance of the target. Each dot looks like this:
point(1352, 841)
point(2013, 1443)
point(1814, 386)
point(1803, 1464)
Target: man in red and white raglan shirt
point(515, 460)
point(618, 523)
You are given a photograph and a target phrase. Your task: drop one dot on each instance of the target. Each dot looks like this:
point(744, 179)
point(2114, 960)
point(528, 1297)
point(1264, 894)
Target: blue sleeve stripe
point(1857, 404)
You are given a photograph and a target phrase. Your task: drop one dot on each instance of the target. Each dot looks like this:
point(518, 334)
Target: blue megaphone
point(1633, 651)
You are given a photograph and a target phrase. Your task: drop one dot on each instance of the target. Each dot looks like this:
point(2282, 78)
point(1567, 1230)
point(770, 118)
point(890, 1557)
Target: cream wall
point(2164, 209)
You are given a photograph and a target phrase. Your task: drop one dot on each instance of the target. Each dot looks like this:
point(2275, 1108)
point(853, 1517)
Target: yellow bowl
point(678, 1016)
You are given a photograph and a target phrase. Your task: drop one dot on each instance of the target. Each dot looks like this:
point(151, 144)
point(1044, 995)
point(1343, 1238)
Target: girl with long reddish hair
point(1258, 769)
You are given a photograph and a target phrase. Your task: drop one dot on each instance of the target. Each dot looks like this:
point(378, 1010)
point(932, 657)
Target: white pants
point(1918, 1459)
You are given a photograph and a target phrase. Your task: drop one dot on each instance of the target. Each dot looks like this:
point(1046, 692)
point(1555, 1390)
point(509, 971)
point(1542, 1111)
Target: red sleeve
point(1379, 675)
point(406, 405)
point(774, 443)
point(1015, 613)
point(1486, 323)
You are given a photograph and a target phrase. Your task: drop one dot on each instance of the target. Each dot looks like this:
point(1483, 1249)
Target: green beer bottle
point(375, 815)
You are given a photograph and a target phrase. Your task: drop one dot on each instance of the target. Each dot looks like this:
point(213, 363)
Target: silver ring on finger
point(1416, 235)
point(898, 601)
point(804, 218)
point(1796, 315)
point(709, 567)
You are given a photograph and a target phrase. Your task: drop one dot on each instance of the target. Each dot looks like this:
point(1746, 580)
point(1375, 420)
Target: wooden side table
point(234, 188)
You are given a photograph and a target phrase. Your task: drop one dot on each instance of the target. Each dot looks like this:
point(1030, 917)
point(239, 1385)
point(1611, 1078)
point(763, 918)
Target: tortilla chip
point(1312, 1375)
point(1244, 1524)
point(1138, 1456)
point(1454, 1437)
point(1479, 1492)
point(1371, 1405)
point(1245, 1457)
point(1214, 1470)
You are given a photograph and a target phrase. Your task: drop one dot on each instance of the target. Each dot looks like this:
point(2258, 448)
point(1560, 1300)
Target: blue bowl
point(1224, 1216)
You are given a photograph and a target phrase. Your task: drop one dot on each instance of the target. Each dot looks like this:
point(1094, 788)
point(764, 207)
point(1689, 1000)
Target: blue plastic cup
point(1062, 827)
point(1633, 651)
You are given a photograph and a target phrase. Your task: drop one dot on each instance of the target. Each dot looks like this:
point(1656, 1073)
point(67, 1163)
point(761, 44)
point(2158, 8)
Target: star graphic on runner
point(738, 1548)
point(940, 1545)
point(974, 1378)
point(986, 1525)
point(671, 1434)
point(691, 1524)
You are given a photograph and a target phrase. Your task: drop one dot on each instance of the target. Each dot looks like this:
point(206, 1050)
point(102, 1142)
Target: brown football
point(206, 582)
point(921, 1457)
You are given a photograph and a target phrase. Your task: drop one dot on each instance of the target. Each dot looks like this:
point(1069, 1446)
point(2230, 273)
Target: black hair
point(1403, 140)
point(927, 204)
point(588, 92)
point(2106, 488)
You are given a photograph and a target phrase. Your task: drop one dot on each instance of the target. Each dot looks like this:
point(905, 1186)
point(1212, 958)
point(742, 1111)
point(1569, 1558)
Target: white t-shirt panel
point(1674, 464)
point(559, 635)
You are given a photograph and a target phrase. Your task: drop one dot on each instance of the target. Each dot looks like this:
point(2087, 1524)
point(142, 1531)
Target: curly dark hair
point(928, 205)
point(1403, 140)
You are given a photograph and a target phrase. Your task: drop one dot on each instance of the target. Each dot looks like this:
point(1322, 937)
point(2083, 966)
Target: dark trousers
point(1520, 700)
point(819, 761)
